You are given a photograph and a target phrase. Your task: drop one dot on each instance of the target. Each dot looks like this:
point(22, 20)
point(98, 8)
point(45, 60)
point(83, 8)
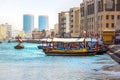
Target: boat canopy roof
point(44, 39)
point(68, 39)
point(49, 40)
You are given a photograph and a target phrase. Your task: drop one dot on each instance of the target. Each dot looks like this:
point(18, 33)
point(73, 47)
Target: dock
point(114, 52)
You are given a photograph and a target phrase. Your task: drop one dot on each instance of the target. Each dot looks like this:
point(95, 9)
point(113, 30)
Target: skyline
point(13, 10)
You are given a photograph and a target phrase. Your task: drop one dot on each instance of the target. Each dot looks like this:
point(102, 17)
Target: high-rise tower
point(28, 23)
point(43, 23)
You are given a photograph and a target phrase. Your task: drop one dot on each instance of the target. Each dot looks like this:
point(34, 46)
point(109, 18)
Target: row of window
point(112, 16)
point(108, 25)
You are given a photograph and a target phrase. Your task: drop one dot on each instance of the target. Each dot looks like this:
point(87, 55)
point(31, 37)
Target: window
point(112, 25)
point(107, 25)
point(118, 5)
point(107, 16)
point(118, 17)
point(101, 17)
point(112, 16)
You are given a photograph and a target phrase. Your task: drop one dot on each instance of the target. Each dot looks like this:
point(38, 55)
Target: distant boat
point(19, 45)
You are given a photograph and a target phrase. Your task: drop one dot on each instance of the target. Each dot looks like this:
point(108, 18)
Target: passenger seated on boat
point(60, 47)
point(81, 45)
point(73, 46)
point(88, 45)
point(93, 45)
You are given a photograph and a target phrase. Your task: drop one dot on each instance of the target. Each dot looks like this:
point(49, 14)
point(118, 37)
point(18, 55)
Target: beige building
point(100, 17)
point(36, 34)
point(52, 33)
point(63, 23)
point(22, 34)
point(56, 28)
point(74, 21)
point(3, 32)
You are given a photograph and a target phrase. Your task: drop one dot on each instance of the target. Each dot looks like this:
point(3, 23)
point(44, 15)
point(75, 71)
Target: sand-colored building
point(100, 17)
point(56, 28)
point(74, 14)
point(3, 32)
point(63, 19)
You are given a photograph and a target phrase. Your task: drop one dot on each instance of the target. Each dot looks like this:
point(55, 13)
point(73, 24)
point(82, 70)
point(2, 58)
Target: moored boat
point(68, 47)
point(19, 47)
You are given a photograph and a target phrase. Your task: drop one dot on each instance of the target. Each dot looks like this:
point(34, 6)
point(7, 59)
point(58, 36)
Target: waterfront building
point(43, 23)
point(9, 30)
point(63, 19)
point(15, 33)
point(22, 34)
point(52, 33)
point(28, 23)
point(36, 34)
point(74, 21)
point(100, 17)
point(3, 32)
point(56, 28)
point(47, 33)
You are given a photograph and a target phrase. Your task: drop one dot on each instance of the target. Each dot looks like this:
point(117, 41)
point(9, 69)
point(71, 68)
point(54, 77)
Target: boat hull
point(100, 52)
point(19, 47)
point(65, 53)
point(40, 47)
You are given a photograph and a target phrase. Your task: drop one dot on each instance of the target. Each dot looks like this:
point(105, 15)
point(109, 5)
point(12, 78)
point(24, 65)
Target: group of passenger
point(68, 46)
point(75, 45)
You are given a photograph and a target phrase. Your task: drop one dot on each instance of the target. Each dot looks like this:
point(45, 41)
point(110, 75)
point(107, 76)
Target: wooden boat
point(68, 52)
point(19, 47)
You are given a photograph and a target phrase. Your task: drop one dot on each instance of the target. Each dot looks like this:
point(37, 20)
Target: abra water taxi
point(19, 45)
point(68, 47)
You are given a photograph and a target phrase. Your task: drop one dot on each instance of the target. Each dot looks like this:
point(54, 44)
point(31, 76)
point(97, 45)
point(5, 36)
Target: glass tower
point(43, 23)
point(28, 23)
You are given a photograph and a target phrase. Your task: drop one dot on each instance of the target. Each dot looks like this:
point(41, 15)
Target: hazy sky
point(11, 11)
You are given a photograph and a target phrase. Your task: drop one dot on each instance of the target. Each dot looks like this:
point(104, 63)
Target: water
point(32, 64)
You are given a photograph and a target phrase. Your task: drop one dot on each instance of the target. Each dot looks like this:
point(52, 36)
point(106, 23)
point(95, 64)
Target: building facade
point(3, 32)
point(36, 34)
point(74, 21)
point(56, 28)
point(9, 30)
point(100, 17)
point(43, 23)
point(28, 23)
point(63, 19)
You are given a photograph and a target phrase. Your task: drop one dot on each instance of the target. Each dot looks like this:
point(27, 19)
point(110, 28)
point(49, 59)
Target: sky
point(12, 11)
